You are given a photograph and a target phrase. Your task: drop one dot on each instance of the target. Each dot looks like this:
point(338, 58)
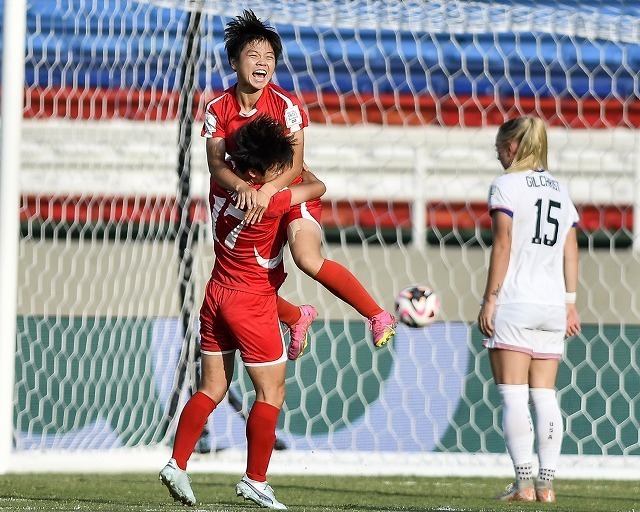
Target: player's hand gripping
point(262, 198)
point(246, 197)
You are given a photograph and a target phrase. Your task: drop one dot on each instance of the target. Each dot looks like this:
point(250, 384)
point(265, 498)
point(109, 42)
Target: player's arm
point(310, 188)
point(571, 281)
point(225, 177)
point(267, 191)
point(288, 175)
point(501, 228)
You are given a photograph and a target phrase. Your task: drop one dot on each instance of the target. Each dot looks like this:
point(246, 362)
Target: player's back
point(248, 257)
point(542, 215)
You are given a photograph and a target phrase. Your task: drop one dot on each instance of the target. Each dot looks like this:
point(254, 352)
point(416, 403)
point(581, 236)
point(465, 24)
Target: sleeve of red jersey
point(213, 125)
point(280, 204)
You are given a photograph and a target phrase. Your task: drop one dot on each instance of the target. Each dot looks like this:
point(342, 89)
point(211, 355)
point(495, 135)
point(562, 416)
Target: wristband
point(570, 297)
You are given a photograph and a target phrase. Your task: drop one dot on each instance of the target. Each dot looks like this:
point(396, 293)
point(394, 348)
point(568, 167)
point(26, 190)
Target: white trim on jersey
point(285, 98)
point(210, 120)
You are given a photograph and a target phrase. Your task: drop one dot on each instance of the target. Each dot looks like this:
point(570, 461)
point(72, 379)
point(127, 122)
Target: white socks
point(518, 429)
point(548, 428)
point(516, 422)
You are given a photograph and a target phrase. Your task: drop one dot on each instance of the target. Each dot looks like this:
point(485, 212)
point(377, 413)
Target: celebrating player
point(529, 301)
point(253, 50)
point(246, 275)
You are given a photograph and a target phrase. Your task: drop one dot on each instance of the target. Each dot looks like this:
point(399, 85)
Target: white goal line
point(321, 462)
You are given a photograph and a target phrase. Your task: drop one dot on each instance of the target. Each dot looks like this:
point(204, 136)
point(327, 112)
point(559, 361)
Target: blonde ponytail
point(531, 136)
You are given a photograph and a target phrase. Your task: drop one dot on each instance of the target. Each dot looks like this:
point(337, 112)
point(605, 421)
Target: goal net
point(404, 100)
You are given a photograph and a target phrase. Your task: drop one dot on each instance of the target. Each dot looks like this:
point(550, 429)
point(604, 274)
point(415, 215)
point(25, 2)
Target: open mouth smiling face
point(261, 75)
point(256, 64)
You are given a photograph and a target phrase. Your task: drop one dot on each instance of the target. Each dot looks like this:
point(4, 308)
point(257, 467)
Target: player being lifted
point(246, 275)
point(253, 49)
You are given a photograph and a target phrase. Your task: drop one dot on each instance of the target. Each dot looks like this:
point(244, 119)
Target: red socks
point(261, 436)
point(344, 285)
point(190, 426)
point(261, 433)
point(287, 312)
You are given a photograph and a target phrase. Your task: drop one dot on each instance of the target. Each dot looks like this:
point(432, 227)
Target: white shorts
point(534, 329)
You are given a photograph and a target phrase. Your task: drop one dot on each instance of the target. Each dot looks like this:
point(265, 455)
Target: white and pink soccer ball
point(417, 306)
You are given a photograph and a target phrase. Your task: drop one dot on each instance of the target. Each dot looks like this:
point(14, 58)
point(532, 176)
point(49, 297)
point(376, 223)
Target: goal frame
point(13, 54)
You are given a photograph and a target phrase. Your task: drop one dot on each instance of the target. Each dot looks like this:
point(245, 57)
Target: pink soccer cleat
point(298, 332)
point(383, 328)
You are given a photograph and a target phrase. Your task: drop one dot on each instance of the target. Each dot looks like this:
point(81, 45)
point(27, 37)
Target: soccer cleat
point(298, 332)
point(260, 493)
point(512, 493)
point(545, 495)
point(178, 483)
point(383, 327)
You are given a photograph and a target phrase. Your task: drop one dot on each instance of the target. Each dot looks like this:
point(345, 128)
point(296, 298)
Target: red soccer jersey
point(223, 118)
point(248, 258)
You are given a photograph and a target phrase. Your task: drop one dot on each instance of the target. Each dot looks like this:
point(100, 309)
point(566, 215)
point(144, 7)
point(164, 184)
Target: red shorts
point(311, 210)
point(236, 320)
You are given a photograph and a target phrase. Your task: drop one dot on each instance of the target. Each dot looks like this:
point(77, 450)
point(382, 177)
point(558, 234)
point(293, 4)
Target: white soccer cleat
point(178, 483)
point(260, 493)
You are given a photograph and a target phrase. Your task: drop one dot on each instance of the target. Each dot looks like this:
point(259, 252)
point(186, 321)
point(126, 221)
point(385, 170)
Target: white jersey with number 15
point(542, 214)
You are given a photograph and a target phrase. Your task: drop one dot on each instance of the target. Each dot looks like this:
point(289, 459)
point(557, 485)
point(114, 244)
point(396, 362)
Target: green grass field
point(215, 492)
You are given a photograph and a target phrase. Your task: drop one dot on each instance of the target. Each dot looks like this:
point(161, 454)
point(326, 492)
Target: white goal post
point(100, 292)
point(11, 123)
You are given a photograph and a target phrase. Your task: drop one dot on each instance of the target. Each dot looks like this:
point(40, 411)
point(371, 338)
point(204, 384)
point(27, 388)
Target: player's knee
point(274, 397)
point(213, 391)
point(308, 262)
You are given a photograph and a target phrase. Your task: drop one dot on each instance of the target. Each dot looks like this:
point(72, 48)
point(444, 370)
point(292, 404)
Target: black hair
point(262, 144)
point(248, 28)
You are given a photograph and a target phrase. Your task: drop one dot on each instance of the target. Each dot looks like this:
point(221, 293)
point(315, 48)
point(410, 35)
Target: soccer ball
point(417, 305)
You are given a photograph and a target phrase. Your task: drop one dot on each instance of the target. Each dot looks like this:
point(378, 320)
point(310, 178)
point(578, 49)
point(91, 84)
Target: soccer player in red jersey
point(253, 50)
point(246, 275)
